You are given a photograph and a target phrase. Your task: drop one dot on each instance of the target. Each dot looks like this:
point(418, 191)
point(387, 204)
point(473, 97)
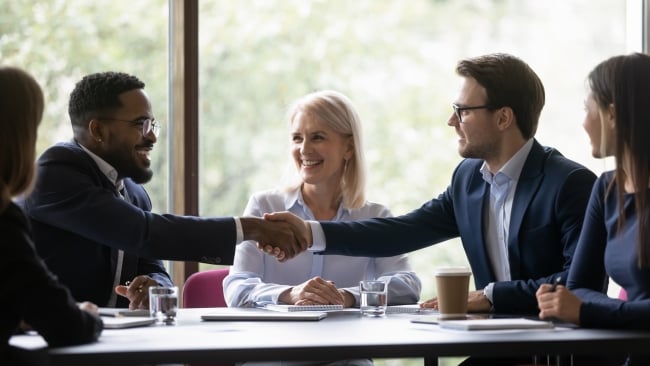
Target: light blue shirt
point(256, 277)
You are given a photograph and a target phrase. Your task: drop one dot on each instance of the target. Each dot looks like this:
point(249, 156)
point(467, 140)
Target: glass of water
point(163, 304)
point(374, 298)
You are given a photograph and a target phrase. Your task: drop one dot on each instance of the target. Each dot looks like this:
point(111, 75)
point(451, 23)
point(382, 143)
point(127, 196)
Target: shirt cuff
point(317, 236)
point(488, 290)
point(239, 230)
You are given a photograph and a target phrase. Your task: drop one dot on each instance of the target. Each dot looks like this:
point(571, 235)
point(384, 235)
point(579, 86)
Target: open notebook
point(233, 314)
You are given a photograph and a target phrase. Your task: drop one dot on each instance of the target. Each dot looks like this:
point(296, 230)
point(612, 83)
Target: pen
point(557, 281)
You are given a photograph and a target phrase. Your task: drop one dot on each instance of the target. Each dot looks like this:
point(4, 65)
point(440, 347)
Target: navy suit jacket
point(547, 213)
point(79, 223)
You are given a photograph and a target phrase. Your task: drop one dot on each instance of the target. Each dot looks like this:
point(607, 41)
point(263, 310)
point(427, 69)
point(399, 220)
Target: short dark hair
point(509, 82)
point(98, 93)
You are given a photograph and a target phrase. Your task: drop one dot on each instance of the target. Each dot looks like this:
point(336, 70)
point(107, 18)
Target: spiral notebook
point(292, 308)
point(238, 314)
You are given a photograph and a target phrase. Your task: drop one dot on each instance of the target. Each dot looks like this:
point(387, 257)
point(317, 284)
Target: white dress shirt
point(257, 277)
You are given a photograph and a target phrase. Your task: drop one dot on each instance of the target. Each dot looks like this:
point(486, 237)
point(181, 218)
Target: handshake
point(280, 234)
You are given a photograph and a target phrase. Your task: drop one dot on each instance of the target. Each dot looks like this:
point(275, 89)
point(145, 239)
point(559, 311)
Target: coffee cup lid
point(452, 271)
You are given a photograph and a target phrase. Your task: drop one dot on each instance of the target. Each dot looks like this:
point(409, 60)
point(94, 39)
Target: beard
point(127, 167)
point(477, 151)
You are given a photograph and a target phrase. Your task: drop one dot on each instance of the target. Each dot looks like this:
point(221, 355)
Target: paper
point(409, 309)
point(127, 322)
point(232, 314)
point(495, 324)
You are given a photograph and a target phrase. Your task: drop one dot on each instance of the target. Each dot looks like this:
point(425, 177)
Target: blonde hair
point(337, 112)
point(21, 103)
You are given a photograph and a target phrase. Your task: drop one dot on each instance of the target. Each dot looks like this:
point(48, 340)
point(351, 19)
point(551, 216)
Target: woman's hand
point(315, 291)
point(560, 304)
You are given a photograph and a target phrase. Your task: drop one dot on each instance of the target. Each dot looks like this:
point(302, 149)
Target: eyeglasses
point(459, 110)
point(146, 124)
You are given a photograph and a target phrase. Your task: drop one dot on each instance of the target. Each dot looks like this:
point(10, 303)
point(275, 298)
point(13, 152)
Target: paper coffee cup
point(452, 286)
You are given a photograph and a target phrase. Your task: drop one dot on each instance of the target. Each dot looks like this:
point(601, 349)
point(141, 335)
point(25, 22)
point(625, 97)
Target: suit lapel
point(478, 195)
point(529, 181)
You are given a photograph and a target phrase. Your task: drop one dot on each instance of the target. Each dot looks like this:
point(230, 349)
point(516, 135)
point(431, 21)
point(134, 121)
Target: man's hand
point(137, 291)
point(301, 231)
point(560, 304)
point(283, 239)
point(477, 302)
point(315, 291)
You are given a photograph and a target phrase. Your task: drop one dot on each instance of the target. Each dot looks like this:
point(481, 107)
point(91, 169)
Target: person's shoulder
point(62, 150)
point(556, 162)
point(371, 209)
point(271, 199)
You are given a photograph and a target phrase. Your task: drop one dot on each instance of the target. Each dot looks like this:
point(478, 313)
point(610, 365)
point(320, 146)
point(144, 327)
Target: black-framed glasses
point(458, 110)
point(146, 124)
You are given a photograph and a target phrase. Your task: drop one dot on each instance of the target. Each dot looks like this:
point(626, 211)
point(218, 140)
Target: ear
point(505, 118)
point(96, 130)
point(349, 150)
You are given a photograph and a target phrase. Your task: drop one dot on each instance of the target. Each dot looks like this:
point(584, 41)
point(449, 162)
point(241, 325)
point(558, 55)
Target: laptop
point(239, 314)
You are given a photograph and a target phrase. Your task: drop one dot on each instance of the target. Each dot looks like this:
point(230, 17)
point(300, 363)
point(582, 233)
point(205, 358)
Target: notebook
point(119, 312)
point(495, 324)
point(409, 309)
point(112, 322)
point(291, 308)
point(233, 314)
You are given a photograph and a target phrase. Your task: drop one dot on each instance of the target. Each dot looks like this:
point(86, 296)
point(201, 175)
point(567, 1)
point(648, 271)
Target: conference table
point(341, 335)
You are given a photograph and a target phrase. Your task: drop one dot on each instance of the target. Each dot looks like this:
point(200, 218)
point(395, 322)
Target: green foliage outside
point(395, 59)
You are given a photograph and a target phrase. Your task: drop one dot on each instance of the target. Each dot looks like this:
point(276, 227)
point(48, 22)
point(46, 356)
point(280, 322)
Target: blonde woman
point(327, 152)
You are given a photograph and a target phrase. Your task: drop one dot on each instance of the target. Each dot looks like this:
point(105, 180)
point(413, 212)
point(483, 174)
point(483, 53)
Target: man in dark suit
point(91, 217)
point(517, 206)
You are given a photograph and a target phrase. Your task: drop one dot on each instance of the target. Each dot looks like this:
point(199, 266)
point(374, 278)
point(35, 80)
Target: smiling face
point(477, 134)
point(318, 151)
point(124, 146)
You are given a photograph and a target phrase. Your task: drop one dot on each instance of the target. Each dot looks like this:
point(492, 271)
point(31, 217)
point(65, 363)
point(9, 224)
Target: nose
point(151, 136)
point(453, 120)
point(305, 146)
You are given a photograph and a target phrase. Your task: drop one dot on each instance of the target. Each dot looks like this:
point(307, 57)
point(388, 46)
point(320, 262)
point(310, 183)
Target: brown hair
point(21, 103)
point(631, 95)
point(509, 82)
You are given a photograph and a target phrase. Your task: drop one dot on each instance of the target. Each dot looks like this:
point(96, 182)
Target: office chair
point(205, 289)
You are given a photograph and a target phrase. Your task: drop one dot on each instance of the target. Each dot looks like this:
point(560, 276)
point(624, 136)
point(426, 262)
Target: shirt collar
point(512, 168)
point(106, 168)
point(294, 198)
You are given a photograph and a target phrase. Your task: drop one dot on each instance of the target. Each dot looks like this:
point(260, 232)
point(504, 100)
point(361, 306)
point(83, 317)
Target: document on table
point(232, 314)
point(495, 324)
point(111, 322)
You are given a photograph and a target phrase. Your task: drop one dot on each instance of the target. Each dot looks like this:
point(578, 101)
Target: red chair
point(622, 294)
point(205, 289)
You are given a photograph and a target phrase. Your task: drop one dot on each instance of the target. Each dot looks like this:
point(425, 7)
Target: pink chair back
point(205, 289)
point(622, 294)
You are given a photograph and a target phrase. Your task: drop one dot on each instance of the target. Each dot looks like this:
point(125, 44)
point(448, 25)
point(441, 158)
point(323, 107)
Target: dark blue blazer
point(547, 213)
point(79, 222)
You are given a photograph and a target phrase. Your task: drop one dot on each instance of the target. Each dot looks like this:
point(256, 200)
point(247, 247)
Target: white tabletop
point(341, 335)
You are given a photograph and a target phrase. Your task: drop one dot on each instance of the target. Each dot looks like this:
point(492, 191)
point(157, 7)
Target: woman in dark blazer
point(31, 297)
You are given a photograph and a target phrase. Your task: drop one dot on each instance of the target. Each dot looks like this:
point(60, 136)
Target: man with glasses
point(91, 217)
point(517, 206)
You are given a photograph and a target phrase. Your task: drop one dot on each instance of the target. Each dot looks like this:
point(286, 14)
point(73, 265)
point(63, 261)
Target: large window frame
point(184, 102)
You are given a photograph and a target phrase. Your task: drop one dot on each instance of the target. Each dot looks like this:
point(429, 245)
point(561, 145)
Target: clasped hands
point(280, 234)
